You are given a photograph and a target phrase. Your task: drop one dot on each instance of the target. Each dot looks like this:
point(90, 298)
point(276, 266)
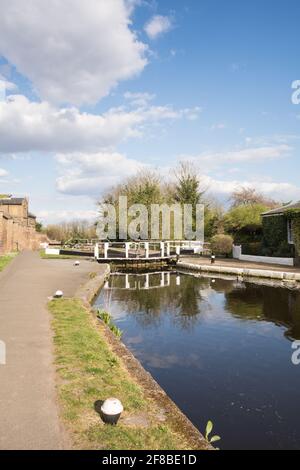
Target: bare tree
point(244, 196)
point(76, 229)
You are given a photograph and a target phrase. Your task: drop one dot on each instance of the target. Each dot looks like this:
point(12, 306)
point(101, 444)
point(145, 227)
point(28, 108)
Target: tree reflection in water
point(186, 303)
point(263, 303)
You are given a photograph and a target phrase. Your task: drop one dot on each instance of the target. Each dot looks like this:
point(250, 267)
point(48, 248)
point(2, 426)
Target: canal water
point(221, 349)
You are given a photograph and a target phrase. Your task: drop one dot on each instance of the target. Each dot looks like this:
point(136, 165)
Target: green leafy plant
point(104, 316)
point(116, 331)
point(209, 428)
point(107, 319)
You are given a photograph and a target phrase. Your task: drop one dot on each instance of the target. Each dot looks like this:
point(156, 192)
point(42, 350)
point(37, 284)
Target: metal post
point(168, 248)
point(162, 249)
point(106, 246)
point(162, 280)
point(127, 247)
point(147, 281)
point(96, 251)
point(147, 250)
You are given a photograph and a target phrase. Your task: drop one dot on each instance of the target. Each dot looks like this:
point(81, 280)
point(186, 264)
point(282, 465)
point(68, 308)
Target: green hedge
point(294, 215)
point(275, 242)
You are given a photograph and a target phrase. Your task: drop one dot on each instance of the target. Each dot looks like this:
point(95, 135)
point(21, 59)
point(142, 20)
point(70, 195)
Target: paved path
point(234, 263)
point(28, 408)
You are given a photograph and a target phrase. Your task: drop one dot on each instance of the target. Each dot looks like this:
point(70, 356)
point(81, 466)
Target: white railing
point(146, 281)
point(148, 249)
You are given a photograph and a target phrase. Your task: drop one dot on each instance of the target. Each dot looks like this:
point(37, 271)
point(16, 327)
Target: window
point(290, 232)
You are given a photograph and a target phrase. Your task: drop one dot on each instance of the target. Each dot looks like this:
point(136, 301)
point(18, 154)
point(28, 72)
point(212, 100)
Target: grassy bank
point(5, 260)
point(90, 372)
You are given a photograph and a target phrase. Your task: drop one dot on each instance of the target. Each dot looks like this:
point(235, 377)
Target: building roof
point(281, 210)
point(31, 215)
point(12, 201)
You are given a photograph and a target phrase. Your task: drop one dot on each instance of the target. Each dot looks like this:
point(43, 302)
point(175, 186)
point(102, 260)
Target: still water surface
point(221, 350)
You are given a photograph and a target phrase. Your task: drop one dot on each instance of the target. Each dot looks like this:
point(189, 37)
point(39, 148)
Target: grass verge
point(5, 260)
point(90, 372)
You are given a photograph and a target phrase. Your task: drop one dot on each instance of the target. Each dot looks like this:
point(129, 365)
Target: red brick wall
point(16, 235)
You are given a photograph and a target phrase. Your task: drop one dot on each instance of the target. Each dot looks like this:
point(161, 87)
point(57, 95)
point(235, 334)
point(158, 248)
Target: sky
point(91, 92)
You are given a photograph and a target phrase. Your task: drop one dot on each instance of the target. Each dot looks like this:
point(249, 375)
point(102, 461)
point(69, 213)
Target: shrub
point(284, 250)
point(241, 217)
point(222, 244)
point(253, 248)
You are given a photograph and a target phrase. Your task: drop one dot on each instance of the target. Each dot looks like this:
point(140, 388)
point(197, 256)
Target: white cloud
point(3, 173)
point(27, 126)
point(139, 99)
point(73, 51)
point(281, 191)
point(218, 126)
point(210, 161)
point(251, 154)
point(92, 174)
point(158, 25)
point(5, 86)
point(65, 215)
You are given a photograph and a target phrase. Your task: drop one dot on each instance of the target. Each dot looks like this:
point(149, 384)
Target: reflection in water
point(280, 306)
point(220, 348)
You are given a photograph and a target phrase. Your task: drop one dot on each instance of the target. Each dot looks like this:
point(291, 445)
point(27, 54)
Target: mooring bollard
point(58, 294)
point(111, 411)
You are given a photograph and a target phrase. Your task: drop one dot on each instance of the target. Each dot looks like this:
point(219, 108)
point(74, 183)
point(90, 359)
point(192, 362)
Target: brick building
point(17, 226)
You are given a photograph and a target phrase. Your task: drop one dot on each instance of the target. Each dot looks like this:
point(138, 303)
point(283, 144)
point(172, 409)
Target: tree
point(73, 230)
point(214, 220)
point(244, 216)
point(244, 196)
point(39, 227)
point(146, 187)
point(187, 188)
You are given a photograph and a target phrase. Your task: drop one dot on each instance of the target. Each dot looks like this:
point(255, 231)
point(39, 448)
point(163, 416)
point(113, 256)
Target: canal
point(221, 349)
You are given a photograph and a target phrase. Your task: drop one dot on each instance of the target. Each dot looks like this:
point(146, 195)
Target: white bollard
point(106, 246)
point(96, 251)
point(58, 294)
point(111, 411)
point(147, 250)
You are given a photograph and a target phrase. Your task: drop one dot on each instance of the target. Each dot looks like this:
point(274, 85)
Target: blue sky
point(128, 83)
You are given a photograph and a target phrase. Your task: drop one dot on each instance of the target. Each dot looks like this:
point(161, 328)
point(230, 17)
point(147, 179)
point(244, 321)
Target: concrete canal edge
point(151, 389)
point(287, 279)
